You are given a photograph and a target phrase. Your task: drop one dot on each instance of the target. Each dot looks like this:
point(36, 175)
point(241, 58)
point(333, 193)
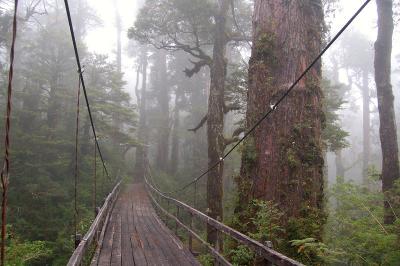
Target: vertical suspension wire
point(76, 171)
point(95, 181)
point(102, 184)
point(6, 163)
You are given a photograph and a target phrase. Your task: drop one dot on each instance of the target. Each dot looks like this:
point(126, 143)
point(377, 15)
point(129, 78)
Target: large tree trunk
point(163, 118)
point(141, 150)
point(387, 129)
point(215, 122)
point(282, 161)
point(366, 126)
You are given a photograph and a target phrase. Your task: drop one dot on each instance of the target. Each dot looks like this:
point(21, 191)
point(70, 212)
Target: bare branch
point(242, 34)
point(202, 122)
point(231, 107)
point(197, 66)
point(230, 141)
point(238, 131)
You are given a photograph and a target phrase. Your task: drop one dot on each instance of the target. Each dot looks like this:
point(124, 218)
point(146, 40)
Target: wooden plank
point(127, 251)
point(134, 235)
point(149, 249)
point(116, 247)
point(136, 244)
point(156, 240)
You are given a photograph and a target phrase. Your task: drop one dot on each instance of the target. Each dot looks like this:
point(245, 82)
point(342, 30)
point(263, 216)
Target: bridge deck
point(136, 236)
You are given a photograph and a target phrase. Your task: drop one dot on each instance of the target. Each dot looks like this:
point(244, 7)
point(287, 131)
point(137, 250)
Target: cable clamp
point(81, 70)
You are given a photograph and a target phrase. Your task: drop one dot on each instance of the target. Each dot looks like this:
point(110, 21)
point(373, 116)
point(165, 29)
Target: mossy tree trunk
point(387, 129)
point(283, 159)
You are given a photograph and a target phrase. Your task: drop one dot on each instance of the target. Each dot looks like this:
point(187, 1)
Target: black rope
point(95, 182)
point(5, 172)
point(273, 107)
point(71, 28)
point(76, 175)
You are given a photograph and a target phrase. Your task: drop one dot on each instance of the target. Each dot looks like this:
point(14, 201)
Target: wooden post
point(195, 195)
point(78, 239)
point(166, 216)
point(190, 236)
point(176, 224)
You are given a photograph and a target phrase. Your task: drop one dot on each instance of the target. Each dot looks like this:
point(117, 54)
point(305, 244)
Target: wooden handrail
point(261, 250)
point(212, 250)
point(97, 225)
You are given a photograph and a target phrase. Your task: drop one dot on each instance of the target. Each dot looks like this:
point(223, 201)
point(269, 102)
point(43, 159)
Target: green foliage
point(267, 222)
point(333, 135)
point(241, 255)
point(27, 253)
point(310, 248)
point(265, 49)
point(355, 228)
point(249, 153)
point(206, 260)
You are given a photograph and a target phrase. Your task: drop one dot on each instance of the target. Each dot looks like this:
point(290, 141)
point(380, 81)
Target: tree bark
point(283, 161)
point(215, 122)
point(387, 129)
point(141, 150)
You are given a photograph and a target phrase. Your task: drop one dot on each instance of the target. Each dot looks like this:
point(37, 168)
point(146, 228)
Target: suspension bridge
point(133, 227)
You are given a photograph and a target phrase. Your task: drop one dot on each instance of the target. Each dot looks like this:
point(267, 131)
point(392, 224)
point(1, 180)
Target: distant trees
point(198, 28)
point(357, 59)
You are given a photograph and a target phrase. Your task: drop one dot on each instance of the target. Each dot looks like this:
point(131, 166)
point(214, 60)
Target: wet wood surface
point(136, 236)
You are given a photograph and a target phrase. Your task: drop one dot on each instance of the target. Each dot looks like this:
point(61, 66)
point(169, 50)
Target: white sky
point(103, 39)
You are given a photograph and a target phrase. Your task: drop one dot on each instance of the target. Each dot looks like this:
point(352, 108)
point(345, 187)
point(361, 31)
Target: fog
point(181, 99)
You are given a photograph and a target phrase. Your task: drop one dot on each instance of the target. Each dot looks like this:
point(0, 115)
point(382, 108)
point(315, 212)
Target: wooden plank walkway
point(136, 236)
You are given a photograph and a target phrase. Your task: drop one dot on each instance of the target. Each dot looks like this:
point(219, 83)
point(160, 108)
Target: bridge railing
point(96, 230)
point(269, 255)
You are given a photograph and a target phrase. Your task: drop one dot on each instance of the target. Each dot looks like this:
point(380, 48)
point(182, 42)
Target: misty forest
point(200, 132)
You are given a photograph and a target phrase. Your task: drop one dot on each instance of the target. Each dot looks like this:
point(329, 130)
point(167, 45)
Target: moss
point(249, 154)
point(292, 158)
point(265, 49)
